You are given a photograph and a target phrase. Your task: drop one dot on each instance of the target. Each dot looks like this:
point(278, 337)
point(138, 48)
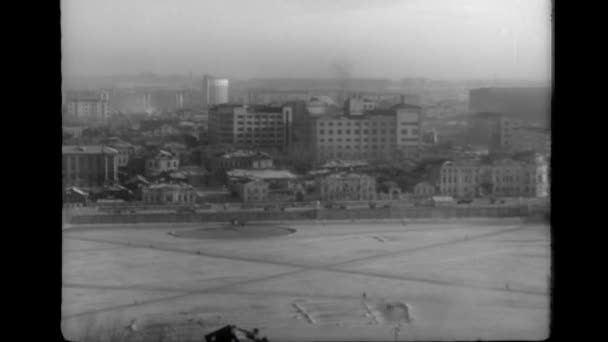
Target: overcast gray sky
point(444, 39)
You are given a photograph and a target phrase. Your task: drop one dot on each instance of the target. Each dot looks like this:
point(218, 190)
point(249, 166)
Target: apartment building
point(531, 139)
point(91, 109)
point(371, 136)
point(262, 127)
point(494, 131)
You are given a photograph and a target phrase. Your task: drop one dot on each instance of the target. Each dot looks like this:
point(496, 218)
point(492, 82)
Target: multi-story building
point(506, 177)
point(358, 106)
point(89, 166)
point(531, 139)
point(91, 109)
point(261, 127)
point(460, 178)
point(531, 104)
point(375, 135)
point(163, 161)
point(347, 187)
point(169, 194)
point(494, 131)
point(300, 144)
point(215, 91)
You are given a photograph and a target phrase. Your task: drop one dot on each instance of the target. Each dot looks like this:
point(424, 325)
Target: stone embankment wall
point(302, 215)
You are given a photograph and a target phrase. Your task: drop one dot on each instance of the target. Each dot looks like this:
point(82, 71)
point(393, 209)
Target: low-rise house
point(194, 175)
point(424, 189)
point(136, 184)
point(179, 150)
point(389, 191)
point(347, 187)
point(163, 161)
point(241, 159)
point(74, 195)
point(442, 201)
point(277, 179)
point(281, 183)
point(252, 191)
point(165, 193)
point(158, 128)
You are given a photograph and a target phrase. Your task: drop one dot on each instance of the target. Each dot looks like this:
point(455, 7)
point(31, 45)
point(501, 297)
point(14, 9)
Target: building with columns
point(89, 166)
point(503, 178)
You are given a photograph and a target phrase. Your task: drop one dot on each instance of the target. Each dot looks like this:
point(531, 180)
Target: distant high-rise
point(215, 91)
point(525, 103)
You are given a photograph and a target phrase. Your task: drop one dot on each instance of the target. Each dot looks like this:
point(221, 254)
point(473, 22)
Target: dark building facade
point(89, 166)
point(531, 104)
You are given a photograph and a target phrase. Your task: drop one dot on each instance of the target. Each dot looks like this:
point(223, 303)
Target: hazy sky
point(447, 39)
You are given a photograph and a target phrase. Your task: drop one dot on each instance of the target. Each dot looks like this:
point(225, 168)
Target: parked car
point(465, 201)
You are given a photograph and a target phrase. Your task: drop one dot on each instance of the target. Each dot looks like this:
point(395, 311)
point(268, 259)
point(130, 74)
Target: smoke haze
point(303, 38)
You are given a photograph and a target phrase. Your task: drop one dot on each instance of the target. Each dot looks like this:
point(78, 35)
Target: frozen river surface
point(442, 280)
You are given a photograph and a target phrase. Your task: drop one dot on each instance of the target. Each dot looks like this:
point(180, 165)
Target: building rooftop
point(405, 106)
point(244, 154)
point(347, 175)
point(261, 174)
point(344, 163)
point(192, 171)
point(265, 109)
point(87, 99)
point(88, 149)
point(163, 154)
point(170, 186)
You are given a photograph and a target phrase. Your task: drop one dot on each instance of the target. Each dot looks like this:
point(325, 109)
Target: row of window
point(356, 131)
point(355, 139)
point(256, 123)
point(366, 147)
point(389, 140)
point(157, 164)
point(356, 123)
point(453, 179)
point(264, 129)
point(153, 197)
